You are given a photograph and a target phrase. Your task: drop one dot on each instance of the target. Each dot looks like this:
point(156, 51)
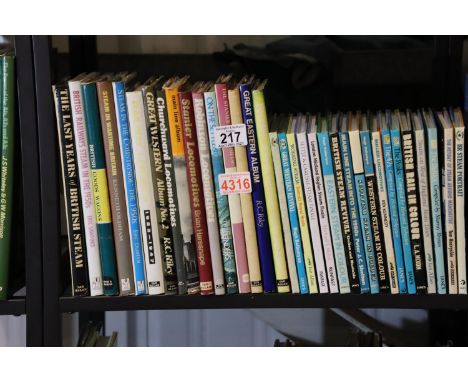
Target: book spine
point(166, 241)
point(302, 214)
point(258, 195)
point(279, 258)
point(242, 165)
point(425, 209)
point(126, 153)
point(348, 239)
point(284, 205)
point(333, 214)
point(402, 209)
point(197, 198)
point(293, 216)
point(183, 197)
point(6, 121)
point(87, 201)
point(384, 211)
point(235, 208)
point(172, 199)
point(393, 208)
point(71, 191)
point(374, 213)
point(116, 188)
point(322, 212)
point(311, 208)
point(460, 207)
point(208, 192)
point(145, 194)
point(224, 220)
point(436, 209)
point(363, 209)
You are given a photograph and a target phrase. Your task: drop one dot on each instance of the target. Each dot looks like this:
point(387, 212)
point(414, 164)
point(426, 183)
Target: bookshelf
point(438, 85)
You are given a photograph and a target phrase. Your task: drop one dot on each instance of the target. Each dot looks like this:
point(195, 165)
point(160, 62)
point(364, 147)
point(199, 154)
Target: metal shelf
point(15, 306)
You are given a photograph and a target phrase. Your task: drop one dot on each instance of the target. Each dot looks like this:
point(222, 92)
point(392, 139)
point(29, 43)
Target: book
point(309, 202)
point(276, 234)
point(364, 218)
point(71, 191)
point(326, 159)
point(224, 220)
point(258, 195)
point(171, 88)
point(197, 198)
point(144, 186)
point(208, 187)
point(116, 187)
point(284, 206)
point(322, 210)
point(348, 172)
point(86, 191)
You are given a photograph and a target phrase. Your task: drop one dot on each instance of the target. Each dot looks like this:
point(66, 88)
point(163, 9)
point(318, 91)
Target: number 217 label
point(230, 136)
point(235, 183)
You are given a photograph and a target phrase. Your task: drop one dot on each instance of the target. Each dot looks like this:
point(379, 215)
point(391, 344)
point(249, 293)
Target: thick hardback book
point(374, 207)
point(284, 207)
point(377, 152)
point(248, 218)
point(364, 218)
point(235, 208)
point(266, 160)
point(116, 187)
point(386, 124)
point(322, 209)
point(71, 191)
point(171, 189)
point(224, 220)
point(420, 146)
point(332, 205)
point(208, 188)
point(353, 208)
point(414, 206)
point(435, 198)
point(87, 199)
point(100, 189)
point(309, 203)
point(343, 210)
point(197, 198)
point(258, 195)
point(291, 205)
point(166, 241)
point(171, 88)
point(145, 194)
point(401, 202)
point(132, 214)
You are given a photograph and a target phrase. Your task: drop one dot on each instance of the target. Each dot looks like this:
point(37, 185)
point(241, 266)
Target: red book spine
point(197, 199)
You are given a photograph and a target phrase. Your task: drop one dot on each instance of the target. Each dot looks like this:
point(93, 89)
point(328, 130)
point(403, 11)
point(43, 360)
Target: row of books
point(7, 126)
point(172, 187)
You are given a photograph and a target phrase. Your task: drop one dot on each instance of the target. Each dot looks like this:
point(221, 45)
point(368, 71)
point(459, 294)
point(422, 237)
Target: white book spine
point(291, 260)
point(425, 209)
point(146, 201)
point(322, 212)
point(460, 206)
point(383, 199)
point(87, 200)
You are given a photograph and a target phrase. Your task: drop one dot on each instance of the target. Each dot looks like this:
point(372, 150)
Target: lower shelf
point(262, 301)
point(15, 307)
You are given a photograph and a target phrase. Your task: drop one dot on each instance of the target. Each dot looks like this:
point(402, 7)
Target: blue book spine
point(393, 207)
point(258, 196)
point(333, 214)
point(130, 188)
point(436, 209)
point(403, 209)
point(354, 213)
point(293, 217)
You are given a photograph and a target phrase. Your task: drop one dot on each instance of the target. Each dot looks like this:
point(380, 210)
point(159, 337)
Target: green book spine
point(6, 180)
point(100, 190)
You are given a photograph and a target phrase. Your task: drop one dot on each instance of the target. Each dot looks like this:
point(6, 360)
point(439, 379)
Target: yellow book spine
point(175, 125)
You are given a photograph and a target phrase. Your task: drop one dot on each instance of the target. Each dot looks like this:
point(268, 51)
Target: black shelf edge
point(263, 301)
point(15, 307)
